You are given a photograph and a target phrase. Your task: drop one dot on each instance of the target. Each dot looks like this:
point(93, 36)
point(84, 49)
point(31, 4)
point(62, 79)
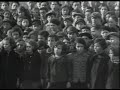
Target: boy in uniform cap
point(36, 25)
point(77, 16)
point(105, 31)
point(79, 24)
point(67, 22)
point(72, 33)
point(85, 29)
point(50, 15)
point(113, 38)
point(7, 24)
point(88, 38)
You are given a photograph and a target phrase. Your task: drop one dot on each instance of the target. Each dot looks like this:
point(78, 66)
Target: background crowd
point(59, 45)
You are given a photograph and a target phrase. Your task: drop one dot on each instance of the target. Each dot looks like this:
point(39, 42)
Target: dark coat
point(99, 71)
point(59, 70)
point(9, 69)
point(32, 67)
point(113, 78)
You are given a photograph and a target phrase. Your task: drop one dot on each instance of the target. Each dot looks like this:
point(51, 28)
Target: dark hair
point(53, 36)
point(114, 17)
point(42, 44)
point(33, 44)
point(64, 47)
point(27, 13)
point(82, 41)
point(102, 42)
point(11, 41)
point(44, 34)
point(17, 29)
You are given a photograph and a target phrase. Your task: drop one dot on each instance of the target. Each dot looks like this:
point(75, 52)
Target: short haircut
point(11, 41)
point(44, 34)
point(102, 42)
point(64, 47)
point(53, 36)
point(33, 44)
point(17, 29)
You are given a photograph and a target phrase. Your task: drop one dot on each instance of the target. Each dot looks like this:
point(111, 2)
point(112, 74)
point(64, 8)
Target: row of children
point(67, 46)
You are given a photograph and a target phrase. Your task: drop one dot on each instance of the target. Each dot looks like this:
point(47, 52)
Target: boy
point(99, 63)
point(43, 35)
point(79, 24)
point(72, 33)
point(105, 31)
point(67, 22)
point(36, 25)
point(88, 39)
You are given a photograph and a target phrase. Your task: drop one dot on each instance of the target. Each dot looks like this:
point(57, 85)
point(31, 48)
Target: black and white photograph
point(59, 44)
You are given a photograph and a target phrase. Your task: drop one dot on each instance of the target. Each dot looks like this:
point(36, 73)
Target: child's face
point(7, 15)
point(97, 48)
point(85, 31)
point(36, 27)
point(41, 38)
point(33, 37)
point(20, 45)
point(103, 10)
point(29, 48)
point(4, 6)
point(58, 50)
point(14, 6)
point(6, 25)
point(42, 13)
point(86, 39)
point(114, 40)
point(35, 12)
point(49, 18)
point(51, 42)
point(65, 11)
point(6, 45)
point(15, 35)
point(104, 33)
point(19, 21)
point(114, 59)
point(79, 25)
point(111, 22)
point(25, 37)
point(79, 47)
point(25, 23)
point(71, 36)
point(95, 32)
point(96, 21)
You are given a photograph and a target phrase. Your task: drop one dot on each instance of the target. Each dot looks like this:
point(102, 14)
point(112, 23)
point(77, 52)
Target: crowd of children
point(59, 45)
